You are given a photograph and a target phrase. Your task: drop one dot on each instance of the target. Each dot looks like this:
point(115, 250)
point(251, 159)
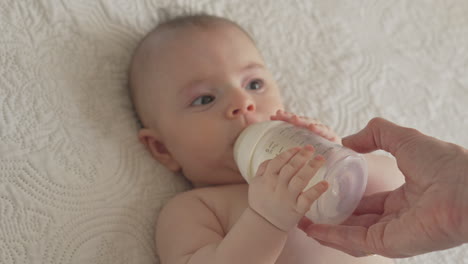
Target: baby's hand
point(277, 191)
point(311, 124)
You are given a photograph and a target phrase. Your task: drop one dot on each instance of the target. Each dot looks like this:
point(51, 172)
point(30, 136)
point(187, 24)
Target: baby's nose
point(243, 110)
point(241, 106)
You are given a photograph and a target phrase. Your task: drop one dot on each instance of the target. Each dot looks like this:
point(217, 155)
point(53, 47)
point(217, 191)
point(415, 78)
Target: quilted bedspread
point(76, 186)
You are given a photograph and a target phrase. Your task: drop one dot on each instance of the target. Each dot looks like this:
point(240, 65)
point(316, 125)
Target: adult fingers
point(362, 220)
point(304, 223)
point(354, 253)
point(379, 134)
point(352, 238)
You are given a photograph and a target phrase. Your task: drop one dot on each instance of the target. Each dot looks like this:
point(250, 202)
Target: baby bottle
point(344, 170)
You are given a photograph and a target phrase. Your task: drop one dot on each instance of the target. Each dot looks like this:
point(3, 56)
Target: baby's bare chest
point(229, 204)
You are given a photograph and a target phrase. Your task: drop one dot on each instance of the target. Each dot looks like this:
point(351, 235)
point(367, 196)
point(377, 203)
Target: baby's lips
point(249, 120)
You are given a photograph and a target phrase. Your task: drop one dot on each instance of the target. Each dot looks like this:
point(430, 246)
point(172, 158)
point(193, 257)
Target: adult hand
point(428, 212)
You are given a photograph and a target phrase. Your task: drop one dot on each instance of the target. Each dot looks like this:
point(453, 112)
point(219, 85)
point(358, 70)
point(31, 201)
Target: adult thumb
point(379, 134)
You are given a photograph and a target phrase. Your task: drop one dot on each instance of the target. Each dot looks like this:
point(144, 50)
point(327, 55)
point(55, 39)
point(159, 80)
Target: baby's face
point(209, 84)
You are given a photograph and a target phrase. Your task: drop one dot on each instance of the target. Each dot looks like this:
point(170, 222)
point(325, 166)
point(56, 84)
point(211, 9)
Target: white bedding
point(75, 184)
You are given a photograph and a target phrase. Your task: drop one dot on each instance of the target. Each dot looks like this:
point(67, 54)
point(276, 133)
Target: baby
point(196, 82)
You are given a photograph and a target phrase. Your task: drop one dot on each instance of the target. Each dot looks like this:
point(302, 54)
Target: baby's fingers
point(305, 200)
point(290, 118)
point(283, 115)
point(302, 178)
point(262, 168)
point(324, 131)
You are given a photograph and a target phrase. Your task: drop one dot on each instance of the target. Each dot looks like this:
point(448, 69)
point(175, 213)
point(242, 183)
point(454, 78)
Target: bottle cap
point(347, 180)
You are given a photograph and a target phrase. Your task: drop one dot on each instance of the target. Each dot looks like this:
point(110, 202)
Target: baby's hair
point(200, 20)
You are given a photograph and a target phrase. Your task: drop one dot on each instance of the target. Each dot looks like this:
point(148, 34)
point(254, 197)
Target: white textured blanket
point(75, 184)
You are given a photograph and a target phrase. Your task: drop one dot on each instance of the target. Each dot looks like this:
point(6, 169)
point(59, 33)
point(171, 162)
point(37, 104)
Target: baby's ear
point(158, 150)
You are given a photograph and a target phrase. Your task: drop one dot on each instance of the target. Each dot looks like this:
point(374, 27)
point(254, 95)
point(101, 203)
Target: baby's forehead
point(162, 43)
point(166, 46)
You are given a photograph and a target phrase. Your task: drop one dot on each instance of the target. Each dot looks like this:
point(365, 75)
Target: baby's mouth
point(249, 120)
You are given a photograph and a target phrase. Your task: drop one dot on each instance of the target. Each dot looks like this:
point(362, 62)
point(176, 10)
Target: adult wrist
point(464, 162)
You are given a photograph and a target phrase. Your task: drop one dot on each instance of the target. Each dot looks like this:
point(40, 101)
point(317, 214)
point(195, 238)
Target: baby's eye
point(256, 84)
point(203, 100)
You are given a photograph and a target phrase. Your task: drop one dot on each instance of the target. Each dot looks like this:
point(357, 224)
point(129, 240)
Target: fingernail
point(309, 147)
point(323, 185)
point(295, 149)
point(319, 158)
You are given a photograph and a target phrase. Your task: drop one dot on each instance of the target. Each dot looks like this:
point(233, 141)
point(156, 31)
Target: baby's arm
point(188, 232)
